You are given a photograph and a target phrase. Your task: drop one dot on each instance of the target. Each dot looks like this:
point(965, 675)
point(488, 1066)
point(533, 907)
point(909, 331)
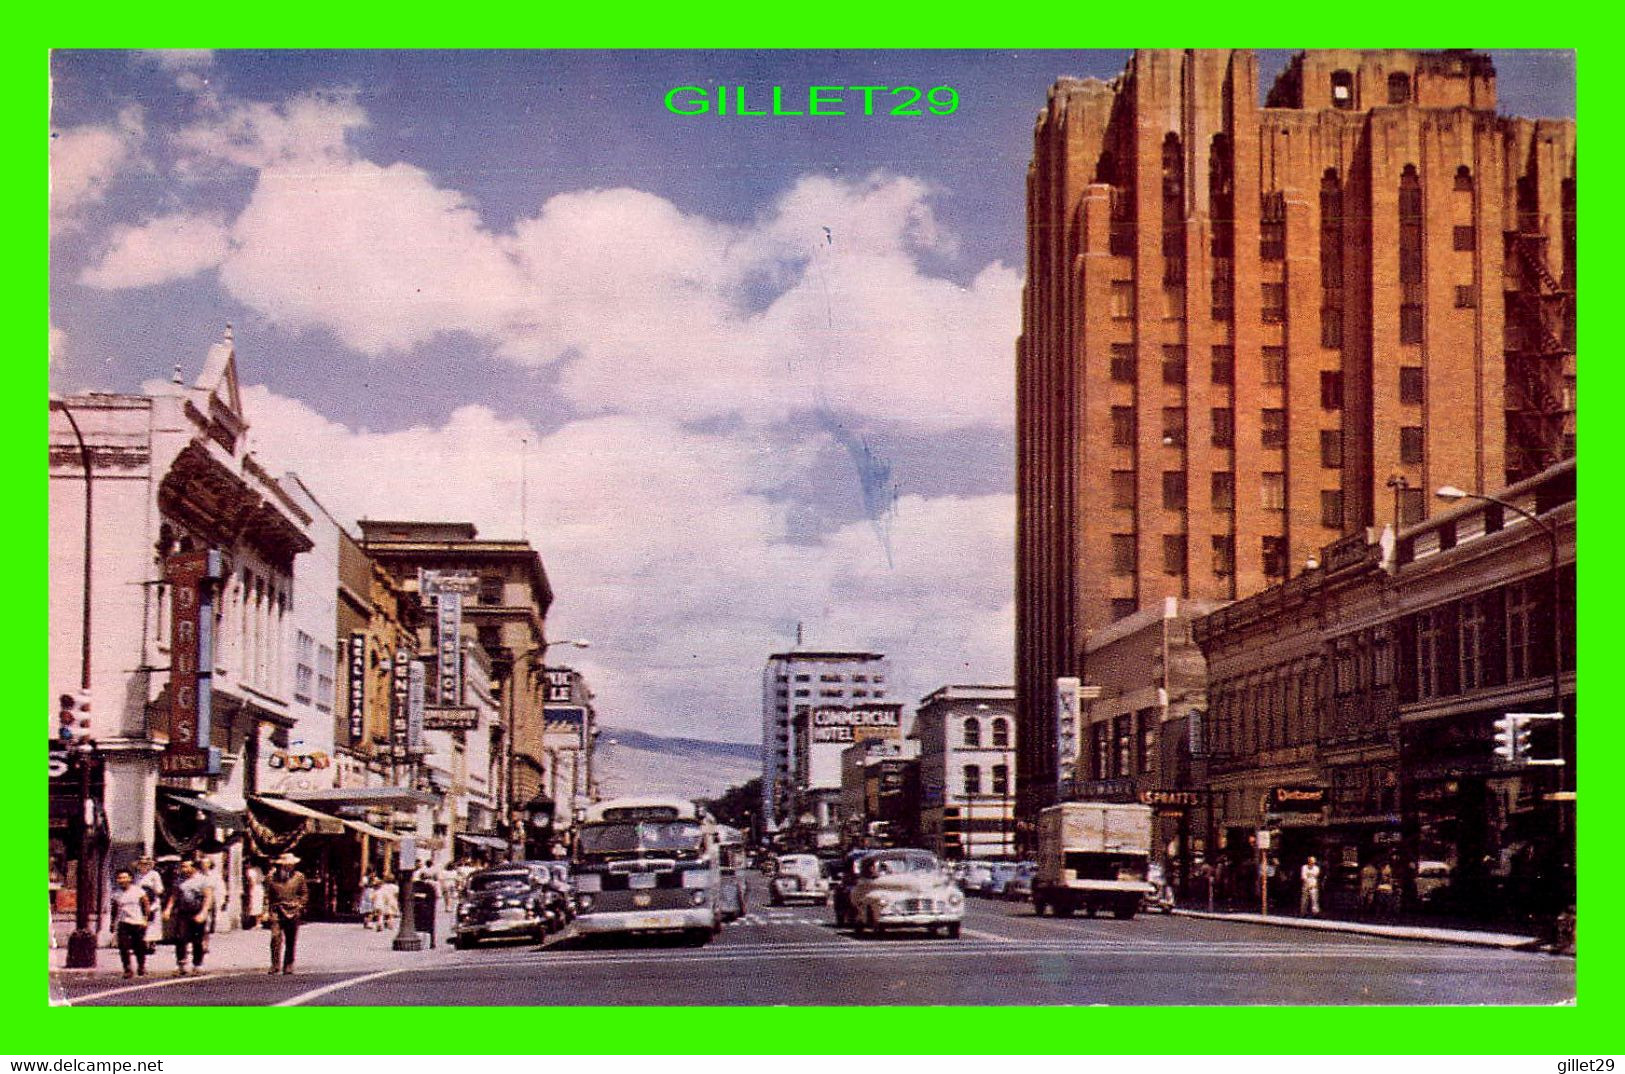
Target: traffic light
point(1511, 739)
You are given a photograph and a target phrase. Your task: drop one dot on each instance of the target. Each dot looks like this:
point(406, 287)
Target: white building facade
point(171, 476)
point(967, 737)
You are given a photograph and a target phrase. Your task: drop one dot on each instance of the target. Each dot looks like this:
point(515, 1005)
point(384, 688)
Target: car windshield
point(498, 881)
point(889, 866)
point(670, 835)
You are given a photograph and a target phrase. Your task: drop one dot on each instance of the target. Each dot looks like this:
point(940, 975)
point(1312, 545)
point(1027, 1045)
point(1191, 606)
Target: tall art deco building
point(1248, 330)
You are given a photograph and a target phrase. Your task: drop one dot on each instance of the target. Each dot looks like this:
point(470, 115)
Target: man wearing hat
point(286, 895)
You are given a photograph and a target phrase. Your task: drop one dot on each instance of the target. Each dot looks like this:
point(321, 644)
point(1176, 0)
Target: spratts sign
point(855, 725)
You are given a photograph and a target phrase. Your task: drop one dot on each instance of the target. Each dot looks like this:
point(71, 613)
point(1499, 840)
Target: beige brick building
point(1250, 329)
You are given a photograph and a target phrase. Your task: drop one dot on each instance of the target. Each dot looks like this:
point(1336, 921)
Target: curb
point(1503, 941)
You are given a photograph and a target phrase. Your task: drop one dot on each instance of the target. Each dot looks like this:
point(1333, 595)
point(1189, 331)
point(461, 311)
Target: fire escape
point(1540, 363)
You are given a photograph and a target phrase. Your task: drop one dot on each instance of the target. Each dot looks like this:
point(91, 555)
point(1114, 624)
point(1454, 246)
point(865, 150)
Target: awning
point(370, 829)
point(326, 823)
point(221, 813)
point(401, 797)
point(489, 842)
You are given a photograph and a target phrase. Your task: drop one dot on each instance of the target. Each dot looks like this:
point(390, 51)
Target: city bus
point(647, 865)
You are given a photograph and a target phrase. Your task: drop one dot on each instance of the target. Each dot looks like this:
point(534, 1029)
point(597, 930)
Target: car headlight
point(955, 898)
point(584, 901)
point(697, 898)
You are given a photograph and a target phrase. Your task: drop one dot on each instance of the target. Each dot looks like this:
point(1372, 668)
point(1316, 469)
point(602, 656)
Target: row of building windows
point(1223, 490)
point(1176, 549)
point(1122, 746)
point(1349, 691)
point(971, 732)
point(833, 678)
point(784, 692)
point(1000, 779)
point(1272, 431)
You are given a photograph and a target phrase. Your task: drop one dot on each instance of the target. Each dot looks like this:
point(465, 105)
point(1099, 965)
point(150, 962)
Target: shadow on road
point(624, 941)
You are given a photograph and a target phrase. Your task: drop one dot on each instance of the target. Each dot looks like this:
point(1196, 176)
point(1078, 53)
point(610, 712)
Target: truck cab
point(1093, 856)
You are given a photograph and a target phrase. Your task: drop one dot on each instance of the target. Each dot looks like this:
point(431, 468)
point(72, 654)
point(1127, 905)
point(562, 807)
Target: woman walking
point(132, 908)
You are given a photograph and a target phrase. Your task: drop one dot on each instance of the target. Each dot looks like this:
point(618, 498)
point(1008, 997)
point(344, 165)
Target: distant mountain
point(635, 762)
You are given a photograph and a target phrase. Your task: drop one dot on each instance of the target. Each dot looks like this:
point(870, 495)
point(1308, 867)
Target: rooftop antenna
point(524, 444)
point(798, 635)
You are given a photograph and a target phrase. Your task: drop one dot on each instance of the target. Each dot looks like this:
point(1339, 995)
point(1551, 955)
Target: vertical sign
point(400, 685)
point(1067, 690)
point(560, 685)
point(415, 676)
point(358, 687)
point(449, 647)
point(191, 663)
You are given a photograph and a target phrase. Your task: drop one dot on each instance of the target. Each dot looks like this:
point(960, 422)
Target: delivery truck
point(1092, 856)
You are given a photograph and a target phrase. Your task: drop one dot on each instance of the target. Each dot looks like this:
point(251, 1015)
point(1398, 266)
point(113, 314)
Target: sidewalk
point(1426, 934)
point(324, 947)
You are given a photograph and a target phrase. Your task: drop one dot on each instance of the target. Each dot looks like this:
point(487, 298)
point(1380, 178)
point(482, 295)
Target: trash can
point(423, 908)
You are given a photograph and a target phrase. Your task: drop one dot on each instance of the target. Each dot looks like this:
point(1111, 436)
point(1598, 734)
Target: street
point(1006, 956)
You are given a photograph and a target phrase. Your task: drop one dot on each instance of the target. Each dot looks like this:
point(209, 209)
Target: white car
point(906, 889)
point(798, 878)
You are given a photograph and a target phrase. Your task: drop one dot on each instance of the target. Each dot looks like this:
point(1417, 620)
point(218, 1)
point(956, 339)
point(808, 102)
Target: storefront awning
point(370, 829)
point(326, 823)
point(382, 797)
point(221, 813)
point(489, 842)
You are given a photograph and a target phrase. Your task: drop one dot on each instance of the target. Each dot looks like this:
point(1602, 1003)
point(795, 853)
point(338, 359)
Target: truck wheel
point(1089, 909)
point(1038, 907)
point(953, 930)
point(1064, 909)
point(1123, 913)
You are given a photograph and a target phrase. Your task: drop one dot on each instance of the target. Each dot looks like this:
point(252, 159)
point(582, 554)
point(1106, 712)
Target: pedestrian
point(1368, 887)
point(368, 906)
point(254, 889)
point(448, 886)
point(387, 900)
point(1387, 891)
point(217, 882)
point(1309, 888)
point(132, 909)
point(148, 879)
point(188, 914)
point(286, 896)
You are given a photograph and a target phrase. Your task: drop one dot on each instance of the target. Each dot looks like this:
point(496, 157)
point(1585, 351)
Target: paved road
point(1006, 955)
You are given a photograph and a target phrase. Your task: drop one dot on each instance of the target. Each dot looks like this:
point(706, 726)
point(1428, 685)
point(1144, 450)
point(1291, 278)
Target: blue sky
point(445, 270)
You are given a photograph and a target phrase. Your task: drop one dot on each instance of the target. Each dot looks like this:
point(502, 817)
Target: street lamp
point(529, 657)
point(82, 942)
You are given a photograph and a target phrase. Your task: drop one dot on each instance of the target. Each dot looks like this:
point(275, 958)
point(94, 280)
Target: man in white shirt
point(1309, 894)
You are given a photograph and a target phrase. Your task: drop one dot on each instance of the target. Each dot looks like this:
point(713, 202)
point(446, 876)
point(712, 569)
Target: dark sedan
point(508, 900)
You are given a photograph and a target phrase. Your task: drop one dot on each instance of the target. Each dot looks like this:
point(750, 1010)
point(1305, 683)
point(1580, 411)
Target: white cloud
point(162, 249)
point(86, 160)
point(306, 131)
point(668, 549)
point(58, 347)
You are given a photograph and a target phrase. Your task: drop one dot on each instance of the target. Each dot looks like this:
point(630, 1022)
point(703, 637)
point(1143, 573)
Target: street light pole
point(82, 942)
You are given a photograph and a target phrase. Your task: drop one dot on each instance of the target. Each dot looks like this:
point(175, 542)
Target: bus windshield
point(671, 835)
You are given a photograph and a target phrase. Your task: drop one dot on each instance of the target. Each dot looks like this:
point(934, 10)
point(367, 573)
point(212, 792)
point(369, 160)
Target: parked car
point(798, 878)
point(842, 879)
point(906, 889)
point(1019, 888)
point(508, 900)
